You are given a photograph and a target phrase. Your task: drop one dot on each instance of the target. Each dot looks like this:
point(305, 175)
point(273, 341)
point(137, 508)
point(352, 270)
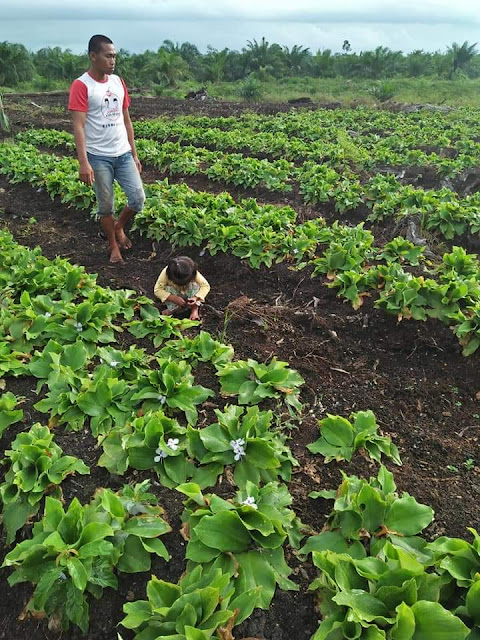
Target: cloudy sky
point(137, 25)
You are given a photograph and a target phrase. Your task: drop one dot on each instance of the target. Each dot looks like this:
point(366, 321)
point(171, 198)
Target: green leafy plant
point(371, 510)
point(341, 438)
point(158, 327)
point(383, 91)
point(202, 602)
point(101, 396)
point(400, 249)
point(74, 553)
point(9, 414)
point(253, 381)
point(389, 595)
point(171, 386)
point(36, 466)
point(246, 441)
point(245, 534)
point(152, 441)
point(12, 362)
point(58, 363)
point(201, 348)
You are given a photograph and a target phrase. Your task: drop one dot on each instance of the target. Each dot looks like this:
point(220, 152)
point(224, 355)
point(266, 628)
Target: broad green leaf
point(473, 602)
point(407, 517)
point(366, 606)
point(161, 593)
point(255, 571)
point(192, 491)
point(404, 626)
point(146, 526)
point(333, 541)
point(137, 612)
point(337, 431)
point(94, 531)
point(134, 558)
point(78, 573)
point(46, 582)
point(156, 546)
point(223, 531)
point(112, 504)
point(433, 622)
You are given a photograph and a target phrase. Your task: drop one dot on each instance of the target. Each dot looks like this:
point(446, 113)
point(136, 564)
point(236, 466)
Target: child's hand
point(194, 302)
point(180, 302)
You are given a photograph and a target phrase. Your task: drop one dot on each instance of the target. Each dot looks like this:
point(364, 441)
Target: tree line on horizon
point(261, 60)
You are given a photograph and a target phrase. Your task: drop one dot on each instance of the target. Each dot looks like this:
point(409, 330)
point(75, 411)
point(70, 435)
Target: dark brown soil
point(411, 374)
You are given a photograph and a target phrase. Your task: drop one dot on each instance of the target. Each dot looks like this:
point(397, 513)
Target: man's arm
point(131, 138)
point(85, 170)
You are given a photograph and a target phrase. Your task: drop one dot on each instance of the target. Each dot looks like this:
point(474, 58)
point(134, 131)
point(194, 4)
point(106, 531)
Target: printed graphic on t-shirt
point(111, 106)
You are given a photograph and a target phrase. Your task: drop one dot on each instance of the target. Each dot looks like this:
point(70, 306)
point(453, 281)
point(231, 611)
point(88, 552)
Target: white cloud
point(136, 26)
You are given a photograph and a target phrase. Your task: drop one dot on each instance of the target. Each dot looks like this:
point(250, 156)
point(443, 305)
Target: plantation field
point(341, 243)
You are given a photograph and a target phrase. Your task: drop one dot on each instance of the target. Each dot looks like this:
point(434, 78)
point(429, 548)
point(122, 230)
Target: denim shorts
point(122, 169)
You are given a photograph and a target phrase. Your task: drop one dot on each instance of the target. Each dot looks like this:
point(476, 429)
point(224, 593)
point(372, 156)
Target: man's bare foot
point(123, 241)
point(115, 256)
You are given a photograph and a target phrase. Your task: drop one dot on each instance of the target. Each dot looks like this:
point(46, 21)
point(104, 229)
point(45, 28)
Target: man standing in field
point(105, 142)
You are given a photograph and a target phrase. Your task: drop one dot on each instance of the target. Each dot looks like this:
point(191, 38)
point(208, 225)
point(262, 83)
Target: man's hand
point(138, 164)
point(86, 174)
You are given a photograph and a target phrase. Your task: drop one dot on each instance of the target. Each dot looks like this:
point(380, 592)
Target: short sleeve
point(126, 97)
point(78, 98)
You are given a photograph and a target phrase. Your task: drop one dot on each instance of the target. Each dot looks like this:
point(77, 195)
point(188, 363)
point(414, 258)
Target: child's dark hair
point(181, 270)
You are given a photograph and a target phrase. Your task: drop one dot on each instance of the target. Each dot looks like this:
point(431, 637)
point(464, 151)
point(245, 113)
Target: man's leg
point(123, 241)
point(127, 175)
point(103, 185)
point(108, 225)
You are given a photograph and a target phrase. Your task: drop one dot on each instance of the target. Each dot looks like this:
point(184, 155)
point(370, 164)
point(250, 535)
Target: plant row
point(323, 137)
point(441, 211)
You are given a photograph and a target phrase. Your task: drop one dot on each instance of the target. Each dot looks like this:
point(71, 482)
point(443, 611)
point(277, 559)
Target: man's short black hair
point(95, 43)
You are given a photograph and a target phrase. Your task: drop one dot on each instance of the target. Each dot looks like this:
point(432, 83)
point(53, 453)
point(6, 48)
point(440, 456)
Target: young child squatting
point(180, 286)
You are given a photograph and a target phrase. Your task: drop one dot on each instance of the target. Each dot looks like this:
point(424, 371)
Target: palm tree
point(461, 54)
point(164, 68)
point(170, 46)
point(15, 64)
point(263, 57)
point(215, 63)
point(380, 63)
point(296, 58)
point(323, 64)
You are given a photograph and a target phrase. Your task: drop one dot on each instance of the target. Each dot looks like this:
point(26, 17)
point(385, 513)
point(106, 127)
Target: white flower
point(101, 361)
point(47, 314)
point(113, 363)
point(173, 443)
point(162, 399)
point(238, 448)
point(79, 326)
point(160, 455)
point(250, 502)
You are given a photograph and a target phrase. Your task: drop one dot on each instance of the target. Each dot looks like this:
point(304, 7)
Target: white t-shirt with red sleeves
point(103, 102)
